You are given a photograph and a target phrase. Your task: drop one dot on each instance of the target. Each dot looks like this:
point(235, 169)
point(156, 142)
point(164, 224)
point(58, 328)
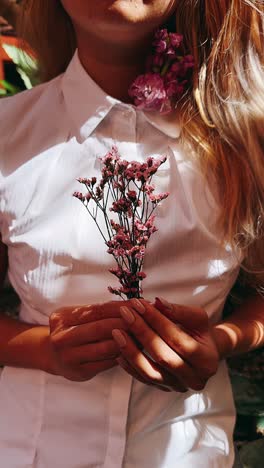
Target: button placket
point(124, 132)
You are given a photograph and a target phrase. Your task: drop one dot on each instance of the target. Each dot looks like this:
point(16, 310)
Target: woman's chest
point(57, 255)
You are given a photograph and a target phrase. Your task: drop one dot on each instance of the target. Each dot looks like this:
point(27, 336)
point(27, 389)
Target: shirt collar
point(87, 104)
point(168, 123)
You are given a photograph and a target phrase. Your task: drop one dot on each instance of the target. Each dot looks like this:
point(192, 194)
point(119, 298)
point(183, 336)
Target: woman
point(67, 395)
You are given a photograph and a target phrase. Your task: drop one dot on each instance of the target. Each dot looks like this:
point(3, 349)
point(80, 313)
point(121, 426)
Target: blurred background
point(18, 66)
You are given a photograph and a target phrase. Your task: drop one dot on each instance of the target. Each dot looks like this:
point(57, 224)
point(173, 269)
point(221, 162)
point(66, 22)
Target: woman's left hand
point(176, 349)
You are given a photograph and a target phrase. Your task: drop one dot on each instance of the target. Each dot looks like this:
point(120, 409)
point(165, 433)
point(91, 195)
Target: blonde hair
point(224, 116)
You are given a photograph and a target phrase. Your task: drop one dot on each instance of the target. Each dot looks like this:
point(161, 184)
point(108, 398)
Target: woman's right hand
point(81, 340)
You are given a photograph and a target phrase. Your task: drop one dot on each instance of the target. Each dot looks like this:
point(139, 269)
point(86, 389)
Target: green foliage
point(26, 67)
point(8, 89)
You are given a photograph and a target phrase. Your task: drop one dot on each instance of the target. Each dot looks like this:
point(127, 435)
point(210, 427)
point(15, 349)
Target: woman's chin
point(116, 20)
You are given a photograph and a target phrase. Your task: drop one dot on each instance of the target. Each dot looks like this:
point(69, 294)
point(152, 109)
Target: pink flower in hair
point(161, 41)
point(148, 92)
point(176, 40)
point(168, 74)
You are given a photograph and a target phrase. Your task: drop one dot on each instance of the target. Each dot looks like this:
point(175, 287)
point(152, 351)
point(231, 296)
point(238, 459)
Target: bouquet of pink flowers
point(125, 190)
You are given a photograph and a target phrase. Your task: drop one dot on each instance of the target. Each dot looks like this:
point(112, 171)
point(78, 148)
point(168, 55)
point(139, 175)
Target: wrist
point(25, 345)
point(48, 362)
point(36, 345)
point(223, 340)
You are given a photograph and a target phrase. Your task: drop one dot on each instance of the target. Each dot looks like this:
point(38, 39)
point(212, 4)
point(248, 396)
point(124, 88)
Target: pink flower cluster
point(168, 74)
point(125, 189)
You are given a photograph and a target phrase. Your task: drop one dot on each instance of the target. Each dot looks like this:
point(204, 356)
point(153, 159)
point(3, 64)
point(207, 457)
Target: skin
point(186, 348)
point(178, 338)
point(10, 11)
point(80, 342)
point(113, 38)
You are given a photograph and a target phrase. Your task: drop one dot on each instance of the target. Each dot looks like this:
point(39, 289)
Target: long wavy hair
point(223, 116)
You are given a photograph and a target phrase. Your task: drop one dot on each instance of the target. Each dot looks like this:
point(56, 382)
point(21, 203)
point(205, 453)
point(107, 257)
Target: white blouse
point(51, 135)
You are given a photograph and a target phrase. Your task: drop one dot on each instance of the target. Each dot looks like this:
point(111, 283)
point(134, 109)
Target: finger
point(194, 318)
point(88, 370)
point(87, 333)
point(181, 342)
point(160, 351)
point(206, 358)
point(131, 371)
point(67, 316)
point(143, 365)
point(91, 353)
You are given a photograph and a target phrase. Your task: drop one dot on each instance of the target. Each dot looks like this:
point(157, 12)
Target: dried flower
point(133, 201)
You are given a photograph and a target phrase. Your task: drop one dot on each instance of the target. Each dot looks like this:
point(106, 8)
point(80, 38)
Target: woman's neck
point(113, 67)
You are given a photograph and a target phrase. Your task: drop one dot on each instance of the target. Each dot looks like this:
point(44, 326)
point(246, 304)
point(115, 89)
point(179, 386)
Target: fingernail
point(163, 302)
point(127, 315)
point(119, 337)
point(140, 308)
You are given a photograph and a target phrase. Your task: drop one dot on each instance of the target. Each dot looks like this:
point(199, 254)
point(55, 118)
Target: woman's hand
point(81, 340)
point(179, 349)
